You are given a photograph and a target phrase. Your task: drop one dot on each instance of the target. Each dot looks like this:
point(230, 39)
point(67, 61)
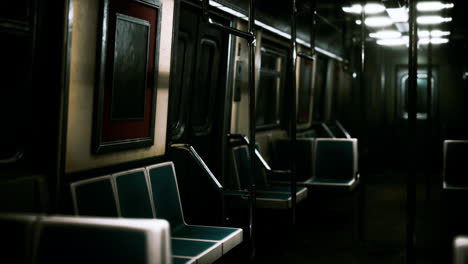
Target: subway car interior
point(294, 131)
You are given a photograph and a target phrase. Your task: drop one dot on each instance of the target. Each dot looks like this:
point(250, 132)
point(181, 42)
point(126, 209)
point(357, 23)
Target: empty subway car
point(234, 131)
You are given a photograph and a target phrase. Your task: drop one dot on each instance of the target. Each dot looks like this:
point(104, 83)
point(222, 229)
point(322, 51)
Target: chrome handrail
point(200, 162)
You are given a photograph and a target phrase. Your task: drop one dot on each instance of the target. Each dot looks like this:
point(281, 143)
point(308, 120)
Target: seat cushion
point(204, 232)
point(332, 184)
point(229, 237)
point(202, 251)
point(183, 260)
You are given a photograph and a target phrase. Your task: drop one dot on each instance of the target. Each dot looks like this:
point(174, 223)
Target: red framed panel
point(128, 47)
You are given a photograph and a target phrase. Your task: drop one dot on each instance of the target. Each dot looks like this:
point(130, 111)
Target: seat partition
point(68, 239)
point(460, 250)
point(17, 236)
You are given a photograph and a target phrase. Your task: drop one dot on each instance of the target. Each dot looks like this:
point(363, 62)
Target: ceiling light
point(431, 20)
point(385, 34)
point(354, 9)
point(398, 14)
point(358, 22)
point(439, 33)
point(424, 33)
point(439, 40)
point(379, 21)
point(374, 8)
point(392, 42)
point(433, 33)
point(432, 6)
point(370, 8)
point(435, 41)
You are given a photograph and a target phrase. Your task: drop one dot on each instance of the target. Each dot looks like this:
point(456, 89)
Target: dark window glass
point(270, 88)
point(305, 90)
point(421, 100)
point(204, 93)
point(319, 90)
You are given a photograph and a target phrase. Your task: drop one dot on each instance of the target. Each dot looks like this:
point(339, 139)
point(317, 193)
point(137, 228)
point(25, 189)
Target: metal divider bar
point(193, 153)
point(293, 116)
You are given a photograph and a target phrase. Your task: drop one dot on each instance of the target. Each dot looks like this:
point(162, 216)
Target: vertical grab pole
point(293, 116)
point(362, 197)
point(412, 95)
point(313, 21)
point(363, 61)
point(252, 119)
point(429, 114)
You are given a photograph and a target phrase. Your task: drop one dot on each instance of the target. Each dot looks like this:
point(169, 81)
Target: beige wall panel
point(80, 109)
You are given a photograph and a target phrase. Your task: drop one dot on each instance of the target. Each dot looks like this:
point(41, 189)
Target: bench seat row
point(152, 192)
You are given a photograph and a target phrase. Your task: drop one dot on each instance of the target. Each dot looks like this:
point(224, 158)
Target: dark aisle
point(327, 227)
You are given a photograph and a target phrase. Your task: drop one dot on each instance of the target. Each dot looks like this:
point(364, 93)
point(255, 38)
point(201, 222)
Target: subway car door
point(31, 36)
point(425, 113)
point(197, 110)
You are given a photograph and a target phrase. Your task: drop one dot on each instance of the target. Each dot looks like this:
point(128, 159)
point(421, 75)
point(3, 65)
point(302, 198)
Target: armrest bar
point(14, 158)
point(343, 130)
point(200, 162)
point(327, 129)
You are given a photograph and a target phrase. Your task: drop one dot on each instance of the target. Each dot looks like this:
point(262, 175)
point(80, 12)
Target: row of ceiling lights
point(399, 16)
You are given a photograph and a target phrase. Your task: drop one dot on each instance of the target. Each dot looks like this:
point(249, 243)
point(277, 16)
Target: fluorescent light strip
point(385, 34)
point(433, 33)
point(392, 42)
point(432, 20)
point(432, 6)
point(435, 41)
point(379, 21)
point(274, 30)
point(370, 8)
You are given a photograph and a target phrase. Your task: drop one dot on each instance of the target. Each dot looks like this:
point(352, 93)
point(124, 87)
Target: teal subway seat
point(322, 163)
point(165, 196)
point(454, 165)
point(267, 195)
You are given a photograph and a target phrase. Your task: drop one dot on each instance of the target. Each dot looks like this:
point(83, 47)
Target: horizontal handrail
point(249, 36)
point(14, 158)
point(305, 55)
point(200, 162)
